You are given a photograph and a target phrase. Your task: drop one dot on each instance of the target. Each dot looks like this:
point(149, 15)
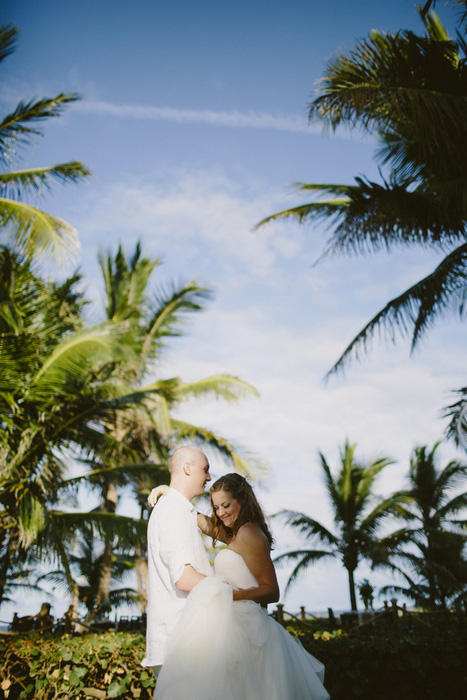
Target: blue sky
point(193, 122)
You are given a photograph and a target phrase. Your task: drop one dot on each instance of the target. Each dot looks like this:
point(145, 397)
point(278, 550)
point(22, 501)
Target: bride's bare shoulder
point(251, 534)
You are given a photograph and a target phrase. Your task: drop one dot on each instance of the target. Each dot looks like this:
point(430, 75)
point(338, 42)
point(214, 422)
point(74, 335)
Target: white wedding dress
point(234, 650)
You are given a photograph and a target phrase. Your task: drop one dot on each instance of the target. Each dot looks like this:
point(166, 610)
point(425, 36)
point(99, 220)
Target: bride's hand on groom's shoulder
point(155, 493)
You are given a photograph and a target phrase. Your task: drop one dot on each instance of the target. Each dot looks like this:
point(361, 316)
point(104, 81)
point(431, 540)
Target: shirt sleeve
point(176, 541)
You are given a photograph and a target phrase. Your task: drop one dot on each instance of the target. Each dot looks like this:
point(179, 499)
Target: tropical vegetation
point(76, 394)
point(357, 518)
point(428, 553)
point(410, 92)
point(28, 229)
point(419, 660)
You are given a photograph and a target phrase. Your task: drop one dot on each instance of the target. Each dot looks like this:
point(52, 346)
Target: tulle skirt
point(235, 651)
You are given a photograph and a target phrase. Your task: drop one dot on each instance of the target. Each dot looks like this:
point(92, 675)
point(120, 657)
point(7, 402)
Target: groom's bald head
point(182, 456)
point(189, 471)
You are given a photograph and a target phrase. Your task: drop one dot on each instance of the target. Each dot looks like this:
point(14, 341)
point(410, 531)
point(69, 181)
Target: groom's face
point(199, 473)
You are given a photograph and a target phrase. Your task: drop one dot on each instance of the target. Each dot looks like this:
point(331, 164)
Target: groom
point(177, 560)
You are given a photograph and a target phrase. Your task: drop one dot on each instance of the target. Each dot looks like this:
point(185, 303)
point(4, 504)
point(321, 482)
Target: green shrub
point(95, 665)
point(411, 660)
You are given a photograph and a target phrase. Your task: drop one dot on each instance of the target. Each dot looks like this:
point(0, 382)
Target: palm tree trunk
point(105, 577)
point(5, 563)
point(353, 597)
point(141, 569)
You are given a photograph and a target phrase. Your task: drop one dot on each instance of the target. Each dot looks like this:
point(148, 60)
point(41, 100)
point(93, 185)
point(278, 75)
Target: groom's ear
point(186, 468)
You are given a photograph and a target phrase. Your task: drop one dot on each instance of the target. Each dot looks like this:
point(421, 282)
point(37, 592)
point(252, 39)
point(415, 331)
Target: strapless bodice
point(232, 565)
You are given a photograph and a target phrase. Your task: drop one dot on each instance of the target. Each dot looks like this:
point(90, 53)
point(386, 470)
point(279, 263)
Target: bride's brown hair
point(250, 510)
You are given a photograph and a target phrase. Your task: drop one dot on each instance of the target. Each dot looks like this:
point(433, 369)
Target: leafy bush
point(95, 665)
point(409, 660)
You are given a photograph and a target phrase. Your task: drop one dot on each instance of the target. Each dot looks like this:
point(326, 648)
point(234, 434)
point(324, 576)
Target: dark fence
point(391, 612)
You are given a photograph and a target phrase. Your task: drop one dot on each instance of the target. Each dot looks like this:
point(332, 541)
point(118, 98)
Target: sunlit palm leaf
point(110, 472)
point(218, 386)
point(15, 127)
point(34, 232)
point(16, 183)
point(170, 306)
point(126, 528)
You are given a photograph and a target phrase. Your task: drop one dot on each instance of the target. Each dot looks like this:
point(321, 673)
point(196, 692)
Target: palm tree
point(428, 551)
point(357, 517)
point(55, 395)
point(29, 229)
point(84, 563)
point(68, 390)
point(411, 91)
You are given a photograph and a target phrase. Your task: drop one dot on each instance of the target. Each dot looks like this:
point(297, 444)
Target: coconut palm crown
point(410, 91)
point(428, 552)
point(357, 516)
point(30, 230)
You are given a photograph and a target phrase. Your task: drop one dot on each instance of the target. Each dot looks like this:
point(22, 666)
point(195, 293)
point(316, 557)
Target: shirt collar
point(181, 498)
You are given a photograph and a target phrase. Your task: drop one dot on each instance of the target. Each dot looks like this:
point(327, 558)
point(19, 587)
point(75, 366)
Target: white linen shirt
point(174, 540)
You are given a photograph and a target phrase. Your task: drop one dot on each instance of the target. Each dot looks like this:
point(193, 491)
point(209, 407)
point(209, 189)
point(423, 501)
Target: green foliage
point(416, 661)
point(412, 660)
point(31, 230)
point(409, 91)
point(48, 667)
point(357, 518)
point(429, 550)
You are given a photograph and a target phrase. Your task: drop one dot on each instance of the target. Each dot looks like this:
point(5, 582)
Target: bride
point(225, 645)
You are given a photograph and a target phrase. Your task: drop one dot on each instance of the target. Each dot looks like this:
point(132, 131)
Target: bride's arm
point(254, 548)
point(204, 522)
point(205, 525)
point(156, 492)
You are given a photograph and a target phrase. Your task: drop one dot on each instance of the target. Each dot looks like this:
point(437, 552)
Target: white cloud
point(233, 118)
point(199, 222)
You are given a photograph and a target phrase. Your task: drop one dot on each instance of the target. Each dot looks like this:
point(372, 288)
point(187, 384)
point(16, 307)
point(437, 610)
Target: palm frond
point(244, 464)
point(224, 386)
point(386, 507)
point(8, 34)
point(126, 283)
point(314, 210)
point(457, 413)
point(378, 82)
point(123, 527)
point(417, 307)
point(308, 526)
point(31, 517)
point(15, 183)
point(307, 558)
point(330, 483)
point(451, 476)
point(141, 469)
point(170, 306)
point(34, 232)
point(456, 504)
point(15, 127)
point(100, 343)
